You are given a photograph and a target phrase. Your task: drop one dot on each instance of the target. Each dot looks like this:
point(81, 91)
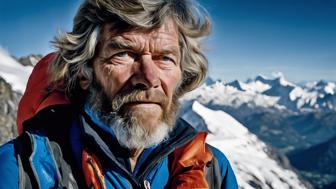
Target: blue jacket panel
point(43, 163)
point(9, 173)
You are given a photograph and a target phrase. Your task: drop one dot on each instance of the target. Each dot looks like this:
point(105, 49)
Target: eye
point(123, 57)
point(167, 60)
point(122, 54)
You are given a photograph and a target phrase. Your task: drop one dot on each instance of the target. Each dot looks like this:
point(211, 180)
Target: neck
point(134, 155)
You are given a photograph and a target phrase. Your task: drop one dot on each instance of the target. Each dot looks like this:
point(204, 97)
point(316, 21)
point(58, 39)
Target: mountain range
point(291, 118)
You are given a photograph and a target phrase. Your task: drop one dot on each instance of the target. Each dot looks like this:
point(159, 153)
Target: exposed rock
point(8, 108)
point(30, 60)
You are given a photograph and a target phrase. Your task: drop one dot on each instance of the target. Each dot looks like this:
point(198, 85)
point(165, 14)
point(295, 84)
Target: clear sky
point(250, 37)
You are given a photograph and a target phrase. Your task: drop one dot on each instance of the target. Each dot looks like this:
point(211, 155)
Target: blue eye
point(123, 57)
point(167, 59)
point(122, 54)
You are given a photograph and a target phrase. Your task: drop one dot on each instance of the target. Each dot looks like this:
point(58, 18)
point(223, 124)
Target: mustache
point(139, 96)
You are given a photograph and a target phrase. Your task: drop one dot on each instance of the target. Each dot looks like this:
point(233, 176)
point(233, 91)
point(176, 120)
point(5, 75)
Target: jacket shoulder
point(9, 173)
point(227, 175)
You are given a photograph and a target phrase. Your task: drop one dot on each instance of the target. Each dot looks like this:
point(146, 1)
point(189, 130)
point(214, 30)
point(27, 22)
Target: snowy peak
point(209, 81)
point(30, 60)
point(278, 87)
point(13, 72)
point(261, 78)
point(256, 86)
point(236, 84)
point(278, 80)
point(264, 94)
point(322, 86)
point(220, 95)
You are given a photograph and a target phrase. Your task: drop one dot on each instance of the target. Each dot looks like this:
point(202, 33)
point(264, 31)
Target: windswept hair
point(76, 49)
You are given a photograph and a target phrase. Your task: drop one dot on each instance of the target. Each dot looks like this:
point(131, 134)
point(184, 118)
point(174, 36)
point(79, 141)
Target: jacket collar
point(98, 140)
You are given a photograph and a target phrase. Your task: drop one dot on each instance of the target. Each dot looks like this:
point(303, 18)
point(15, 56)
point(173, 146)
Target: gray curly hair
point(76, 49)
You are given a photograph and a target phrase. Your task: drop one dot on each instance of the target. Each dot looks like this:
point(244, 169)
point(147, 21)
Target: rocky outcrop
point(30, 60)
point(8, 108)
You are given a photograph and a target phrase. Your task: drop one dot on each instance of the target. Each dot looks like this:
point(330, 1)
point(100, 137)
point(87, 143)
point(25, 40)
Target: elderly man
point(101, 111)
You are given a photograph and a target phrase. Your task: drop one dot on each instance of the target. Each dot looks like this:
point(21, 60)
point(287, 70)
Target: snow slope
point(13, 72)
point(254, 168)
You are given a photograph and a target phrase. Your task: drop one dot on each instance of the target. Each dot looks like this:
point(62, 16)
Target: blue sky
point(250, 37)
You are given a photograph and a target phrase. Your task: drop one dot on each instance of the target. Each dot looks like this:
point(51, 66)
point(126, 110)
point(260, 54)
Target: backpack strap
point(213, 173)
point(28, 179)
point(67, 179)
point(23, 150)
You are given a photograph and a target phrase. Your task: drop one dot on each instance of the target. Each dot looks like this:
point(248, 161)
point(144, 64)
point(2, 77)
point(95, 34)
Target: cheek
point(112, 78)
point(171, 80)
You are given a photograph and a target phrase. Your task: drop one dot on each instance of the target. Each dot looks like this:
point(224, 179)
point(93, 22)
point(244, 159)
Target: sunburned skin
point(145, 62)
point(149, 60)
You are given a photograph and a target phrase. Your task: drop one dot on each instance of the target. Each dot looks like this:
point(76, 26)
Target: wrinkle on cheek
point(107, 70)
point(107, 75)
point(114, 78)
point(170, 81)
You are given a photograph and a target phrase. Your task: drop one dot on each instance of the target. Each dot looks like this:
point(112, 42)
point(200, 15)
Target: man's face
point(137, 73)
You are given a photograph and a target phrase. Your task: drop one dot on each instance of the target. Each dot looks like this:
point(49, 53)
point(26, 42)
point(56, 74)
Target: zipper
point(131, 179)
point(146, 184)
point(138, 181)
point(162, 155)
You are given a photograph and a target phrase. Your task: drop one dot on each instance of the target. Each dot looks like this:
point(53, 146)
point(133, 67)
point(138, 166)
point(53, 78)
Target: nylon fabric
point(189, 163)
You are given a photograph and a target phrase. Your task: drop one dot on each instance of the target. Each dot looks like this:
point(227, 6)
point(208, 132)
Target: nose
point(146, 75)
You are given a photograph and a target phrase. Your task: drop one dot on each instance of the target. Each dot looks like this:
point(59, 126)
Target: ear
point(84, 82)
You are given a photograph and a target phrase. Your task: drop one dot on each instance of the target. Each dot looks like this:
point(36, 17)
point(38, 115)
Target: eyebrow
point(119, 42)
point(170, 50)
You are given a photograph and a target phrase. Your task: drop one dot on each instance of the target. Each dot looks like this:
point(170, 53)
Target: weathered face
point(139, 72)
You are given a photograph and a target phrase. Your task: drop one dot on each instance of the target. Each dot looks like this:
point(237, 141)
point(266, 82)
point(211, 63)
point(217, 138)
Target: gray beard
point(131, 135)
point(129, 131)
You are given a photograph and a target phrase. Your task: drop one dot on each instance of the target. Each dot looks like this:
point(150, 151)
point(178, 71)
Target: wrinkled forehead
point(110, 30)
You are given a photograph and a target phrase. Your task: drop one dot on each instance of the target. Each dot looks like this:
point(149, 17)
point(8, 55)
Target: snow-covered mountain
point(30, 60)
point(13, 72)
point(13, 79)
point(263, 93)
point(287, 116)
point(316, 96)
point(249, 157)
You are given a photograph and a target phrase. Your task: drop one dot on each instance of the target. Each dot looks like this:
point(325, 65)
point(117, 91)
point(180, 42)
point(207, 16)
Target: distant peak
point(30, 60)
point(237, 84)
point(209, 81)
point(279, 78)
point(261, 78)
point(321, 83)
point(277, 75)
